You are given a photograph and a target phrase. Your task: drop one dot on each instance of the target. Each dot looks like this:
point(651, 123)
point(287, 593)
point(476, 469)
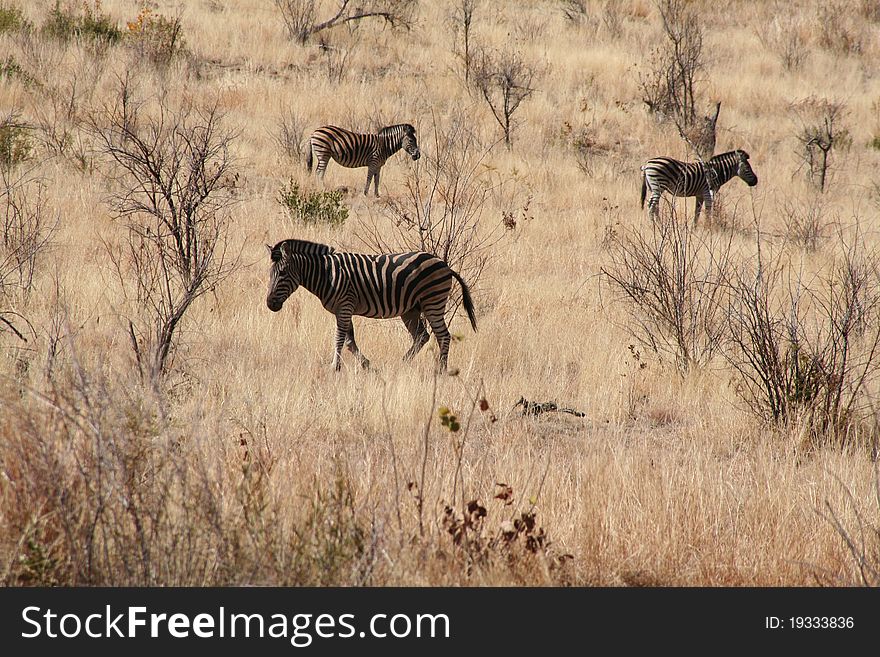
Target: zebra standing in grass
point(354, 150)
point(405, 285)
point(694, 178)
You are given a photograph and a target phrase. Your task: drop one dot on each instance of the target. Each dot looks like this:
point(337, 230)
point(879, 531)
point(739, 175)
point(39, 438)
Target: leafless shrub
point(442, 209)
point(672, 283)
point(806, 350)
point(302, 23)
point(574, 10)
point(784, 37)
point(62, 115)
point(821, 130)
point(504, 80)
point(583, 143)
point(290, 135)
point(669, 88)
point(612, 18)
point(174, 180)
point(870, 10)
point(835, 28)
point(336, 55)
point(26, 229)
point(806, 222)
point(461, 18)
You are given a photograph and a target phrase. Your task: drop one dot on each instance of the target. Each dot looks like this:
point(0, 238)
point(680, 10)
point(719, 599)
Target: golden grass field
point(254, 462)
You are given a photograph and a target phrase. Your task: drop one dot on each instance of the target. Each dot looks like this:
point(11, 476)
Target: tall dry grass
point(256, 463)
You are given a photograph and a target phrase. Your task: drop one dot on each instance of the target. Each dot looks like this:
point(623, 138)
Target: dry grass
point(256, 463)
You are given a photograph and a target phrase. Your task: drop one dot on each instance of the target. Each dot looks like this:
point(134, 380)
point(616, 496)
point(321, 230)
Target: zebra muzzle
point(416, 155)
point(274, 306)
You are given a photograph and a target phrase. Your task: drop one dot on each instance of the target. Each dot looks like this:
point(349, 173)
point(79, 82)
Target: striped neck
point(391, 139)
point(725, 166)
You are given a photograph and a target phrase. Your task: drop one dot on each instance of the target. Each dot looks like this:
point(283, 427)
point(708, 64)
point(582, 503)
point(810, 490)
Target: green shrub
point(67, 22)
point(155, 37)
point(9, 68)
point(12, 20)
point(875, 142)
point(313, 207)
point(15, 144)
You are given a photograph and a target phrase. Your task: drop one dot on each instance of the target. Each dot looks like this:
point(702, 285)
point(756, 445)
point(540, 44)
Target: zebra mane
point(728, 155)
point(406, 127)
point(300, 246)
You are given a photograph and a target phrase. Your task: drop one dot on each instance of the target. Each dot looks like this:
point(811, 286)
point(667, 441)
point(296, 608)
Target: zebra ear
point(269, 248)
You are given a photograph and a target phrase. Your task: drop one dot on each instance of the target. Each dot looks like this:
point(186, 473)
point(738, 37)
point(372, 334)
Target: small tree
point(301, 16)
point(504, 80)
point(462, 20)
point(820, 130)
point(669, 87)
point(174, 181)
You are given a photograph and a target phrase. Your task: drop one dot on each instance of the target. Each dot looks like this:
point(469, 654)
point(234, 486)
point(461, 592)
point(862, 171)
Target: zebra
point(690, 178)
point(405, 285)
point(354, 150)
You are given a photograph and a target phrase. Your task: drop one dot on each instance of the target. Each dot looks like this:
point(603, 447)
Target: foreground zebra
point(405, 285)
point(690, 178)
point(354, 150)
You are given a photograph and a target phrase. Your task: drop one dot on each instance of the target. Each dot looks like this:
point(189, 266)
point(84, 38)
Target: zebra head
point(744, 169)
point(410, 144)
point(283, 277)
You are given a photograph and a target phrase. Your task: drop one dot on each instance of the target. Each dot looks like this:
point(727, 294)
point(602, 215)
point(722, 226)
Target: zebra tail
point(644, 188)
point(466, 300)
point(309, 159)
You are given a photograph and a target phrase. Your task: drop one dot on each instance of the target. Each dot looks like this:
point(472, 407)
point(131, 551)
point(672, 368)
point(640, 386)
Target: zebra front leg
point(353, 348)
point(343, 328)
point(710, 205)
point(698, 207)
point(416, 327)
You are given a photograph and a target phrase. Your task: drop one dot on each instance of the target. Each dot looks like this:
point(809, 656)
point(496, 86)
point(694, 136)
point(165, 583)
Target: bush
point(67, 22)
point(15, 143)
point(10, 68)
point(807, 351)
point(155, 37)
point(672, 284)
point(12, 20)
point(319, 207)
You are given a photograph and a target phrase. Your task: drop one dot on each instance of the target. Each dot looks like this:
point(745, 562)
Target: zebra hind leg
point(441, 332)
point(416, 327)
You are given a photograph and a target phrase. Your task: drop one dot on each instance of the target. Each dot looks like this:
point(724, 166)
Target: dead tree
point(301, 16)
point(174, 181)
point(504, 80)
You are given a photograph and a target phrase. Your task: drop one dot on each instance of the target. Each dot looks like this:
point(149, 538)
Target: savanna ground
point(248, 460)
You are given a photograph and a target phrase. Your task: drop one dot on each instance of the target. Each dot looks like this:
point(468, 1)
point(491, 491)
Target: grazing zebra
point(353, 149)
point(405, 285)
point(690, 178)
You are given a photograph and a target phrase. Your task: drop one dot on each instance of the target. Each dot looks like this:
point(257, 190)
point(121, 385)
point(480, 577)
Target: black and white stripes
point(405, 285)
point(663, 174)
point(353, 149)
